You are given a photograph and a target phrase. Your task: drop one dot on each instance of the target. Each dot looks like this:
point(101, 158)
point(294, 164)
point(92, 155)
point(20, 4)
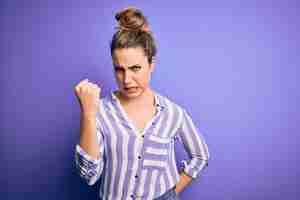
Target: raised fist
point(88, 95)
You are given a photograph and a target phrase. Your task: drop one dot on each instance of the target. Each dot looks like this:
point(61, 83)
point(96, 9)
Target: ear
point(152, 64)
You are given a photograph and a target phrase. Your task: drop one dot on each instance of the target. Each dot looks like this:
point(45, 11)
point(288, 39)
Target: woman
point(127, 138)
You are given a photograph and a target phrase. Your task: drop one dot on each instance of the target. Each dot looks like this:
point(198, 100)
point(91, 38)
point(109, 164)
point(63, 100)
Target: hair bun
point(132, 19)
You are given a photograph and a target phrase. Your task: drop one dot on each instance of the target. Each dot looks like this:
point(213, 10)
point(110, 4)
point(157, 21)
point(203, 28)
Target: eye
point(135, 68)
point(118, 69)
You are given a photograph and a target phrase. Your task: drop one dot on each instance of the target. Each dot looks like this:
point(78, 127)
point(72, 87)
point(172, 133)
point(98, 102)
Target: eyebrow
point(137, 65)
point(129, 67)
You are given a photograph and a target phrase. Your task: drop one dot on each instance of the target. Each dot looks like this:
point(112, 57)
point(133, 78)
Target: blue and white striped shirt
point(135, 165)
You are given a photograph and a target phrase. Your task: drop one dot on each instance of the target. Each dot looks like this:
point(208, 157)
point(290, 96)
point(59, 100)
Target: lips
point(129, 89)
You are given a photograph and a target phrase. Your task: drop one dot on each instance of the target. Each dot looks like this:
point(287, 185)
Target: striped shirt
point(141, 165)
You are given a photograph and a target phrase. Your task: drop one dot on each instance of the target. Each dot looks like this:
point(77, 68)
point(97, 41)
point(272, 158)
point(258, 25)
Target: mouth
point(130, 89)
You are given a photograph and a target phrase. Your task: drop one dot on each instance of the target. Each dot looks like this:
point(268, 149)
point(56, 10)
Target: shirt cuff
point(89, 168)
point(85, 156)
point(194, 167)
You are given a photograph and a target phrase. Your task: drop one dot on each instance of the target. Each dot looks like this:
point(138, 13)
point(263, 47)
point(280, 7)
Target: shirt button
point(136, 176)
point(131, 196)
point(139, 157)
point(143, 136)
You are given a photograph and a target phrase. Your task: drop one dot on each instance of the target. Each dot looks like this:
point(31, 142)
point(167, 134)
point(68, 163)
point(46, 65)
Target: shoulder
point(169, 103)
point(105, 106)
point(107, 100)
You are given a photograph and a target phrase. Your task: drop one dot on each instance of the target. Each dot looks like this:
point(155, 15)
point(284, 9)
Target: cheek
point(118, 78)
point(145, 79)
point(118, 75)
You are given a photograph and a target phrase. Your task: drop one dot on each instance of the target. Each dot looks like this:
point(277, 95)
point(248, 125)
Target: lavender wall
point(233, 65)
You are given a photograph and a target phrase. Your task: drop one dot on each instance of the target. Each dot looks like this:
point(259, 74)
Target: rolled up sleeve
point(87, 167)
point(195, 147)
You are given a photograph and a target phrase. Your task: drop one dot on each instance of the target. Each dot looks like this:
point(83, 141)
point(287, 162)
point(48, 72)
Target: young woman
point(127, 138)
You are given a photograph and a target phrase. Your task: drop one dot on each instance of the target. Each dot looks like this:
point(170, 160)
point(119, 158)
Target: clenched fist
point(88, 95)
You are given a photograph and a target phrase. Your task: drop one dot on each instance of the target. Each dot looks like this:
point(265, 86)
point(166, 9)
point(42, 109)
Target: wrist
point(176, 189)
point(88, 114)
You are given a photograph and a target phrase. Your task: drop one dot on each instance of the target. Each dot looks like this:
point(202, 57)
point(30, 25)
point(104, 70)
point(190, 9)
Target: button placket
point(139, 156)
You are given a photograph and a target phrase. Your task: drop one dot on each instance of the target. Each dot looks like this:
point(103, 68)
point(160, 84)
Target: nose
point(127, 78)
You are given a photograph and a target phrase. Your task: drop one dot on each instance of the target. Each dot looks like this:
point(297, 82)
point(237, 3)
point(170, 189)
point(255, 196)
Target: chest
point(140, 117)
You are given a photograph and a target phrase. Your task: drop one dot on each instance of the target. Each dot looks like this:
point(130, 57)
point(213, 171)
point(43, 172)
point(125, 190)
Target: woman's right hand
point(88, 95)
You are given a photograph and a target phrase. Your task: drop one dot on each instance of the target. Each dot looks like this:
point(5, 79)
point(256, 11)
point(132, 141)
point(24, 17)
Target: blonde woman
point(127, 138)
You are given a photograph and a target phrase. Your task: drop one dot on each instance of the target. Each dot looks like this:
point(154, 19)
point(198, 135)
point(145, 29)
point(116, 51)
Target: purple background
point(233, 65)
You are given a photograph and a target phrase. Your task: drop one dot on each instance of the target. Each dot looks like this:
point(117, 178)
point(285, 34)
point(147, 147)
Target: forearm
point(183, 182)
point(88, 138)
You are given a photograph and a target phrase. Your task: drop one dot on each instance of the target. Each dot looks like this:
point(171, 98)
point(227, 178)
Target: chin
point(131, 95)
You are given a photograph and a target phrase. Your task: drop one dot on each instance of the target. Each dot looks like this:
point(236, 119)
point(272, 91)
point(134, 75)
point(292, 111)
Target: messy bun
point(133, 31)
point(132, 19)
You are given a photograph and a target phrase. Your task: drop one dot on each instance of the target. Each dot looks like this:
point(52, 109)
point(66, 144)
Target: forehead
point(129, 56)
